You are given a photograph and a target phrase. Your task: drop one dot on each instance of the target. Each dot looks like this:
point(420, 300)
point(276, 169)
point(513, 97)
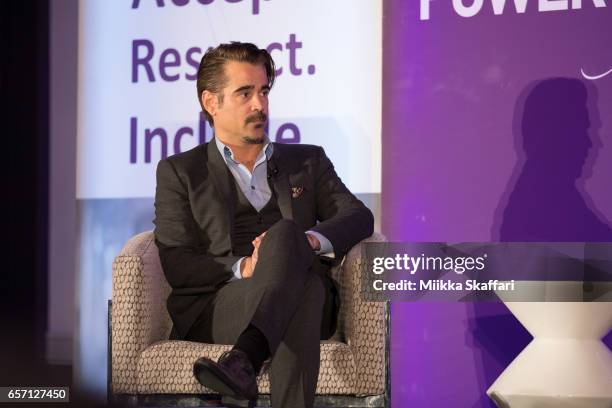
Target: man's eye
point(244, 95)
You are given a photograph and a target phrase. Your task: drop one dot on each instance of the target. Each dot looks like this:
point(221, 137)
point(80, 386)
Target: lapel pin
point(296, 191)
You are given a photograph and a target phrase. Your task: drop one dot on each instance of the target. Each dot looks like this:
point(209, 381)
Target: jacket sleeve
point(344, 219)
point(188, 267)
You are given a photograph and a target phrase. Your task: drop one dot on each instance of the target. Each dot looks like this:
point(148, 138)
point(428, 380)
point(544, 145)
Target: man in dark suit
point(241, 225)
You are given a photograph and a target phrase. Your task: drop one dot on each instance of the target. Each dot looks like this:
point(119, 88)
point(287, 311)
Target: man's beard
point(252, 140)
point(258, 116)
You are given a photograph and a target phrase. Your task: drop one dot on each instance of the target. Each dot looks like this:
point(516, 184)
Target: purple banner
point(492, 131)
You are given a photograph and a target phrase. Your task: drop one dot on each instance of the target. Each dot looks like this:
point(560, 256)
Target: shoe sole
point(211, 377)
point(231, 402)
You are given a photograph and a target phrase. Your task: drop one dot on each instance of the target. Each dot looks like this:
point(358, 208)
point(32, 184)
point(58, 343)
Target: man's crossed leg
point(282, 311)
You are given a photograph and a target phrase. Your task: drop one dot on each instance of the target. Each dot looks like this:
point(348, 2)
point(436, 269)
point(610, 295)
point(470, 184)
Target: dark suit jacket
point(194, 213)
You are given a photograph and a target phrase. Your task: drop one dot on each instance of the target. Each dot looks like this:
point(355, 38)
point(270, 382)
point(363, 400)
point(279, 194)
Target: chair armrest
point(138, 313)
point(365, 325)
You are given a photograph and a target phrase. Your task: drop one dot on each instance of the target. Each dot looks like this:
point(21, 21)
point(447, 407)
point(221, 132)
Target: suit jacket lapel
point(280, 182)
point(222, 179)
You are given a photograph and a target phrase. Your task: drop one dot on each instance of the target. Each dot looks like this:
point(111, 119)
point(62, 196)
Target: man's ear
point(210, 102)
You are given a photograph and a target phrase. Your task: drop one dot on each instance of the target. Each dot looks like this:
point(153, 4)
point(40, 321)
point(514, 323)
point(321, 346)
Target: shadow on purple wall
point(556, 130)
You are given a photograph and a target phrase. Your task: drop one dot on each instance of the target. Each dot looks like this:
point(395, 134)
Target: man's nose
point(257, 103)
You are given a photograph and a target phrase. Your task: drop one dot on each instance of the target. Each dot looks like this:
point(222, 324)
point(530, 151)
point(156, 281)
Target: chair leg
point(109, 353)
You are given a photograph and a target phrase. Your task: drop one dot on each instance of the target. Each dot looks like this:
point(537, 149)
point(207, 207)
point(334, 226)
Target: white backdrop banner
point(138, 103)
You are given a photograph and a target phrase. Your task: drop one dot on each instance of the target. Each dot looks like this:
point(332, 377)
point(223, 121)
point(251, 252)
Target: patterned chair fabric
point(145, 362)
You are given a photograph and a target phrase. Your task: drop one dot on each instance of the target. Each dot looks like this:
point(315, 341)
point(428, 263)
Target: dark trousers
point(291, 300)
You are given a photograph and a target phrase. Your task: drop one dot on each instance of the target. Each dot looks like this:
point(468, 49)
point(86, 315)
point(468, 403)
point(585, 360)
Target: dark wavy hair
point(211, 72)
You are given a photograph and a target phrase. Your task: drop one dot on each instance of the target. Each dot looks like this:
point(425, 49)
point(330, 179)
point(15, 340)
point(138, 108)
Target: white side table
point(566, 365)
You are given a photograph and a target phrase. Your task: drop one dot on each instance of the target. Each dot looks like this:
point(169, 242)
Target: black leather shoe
point(231, 376)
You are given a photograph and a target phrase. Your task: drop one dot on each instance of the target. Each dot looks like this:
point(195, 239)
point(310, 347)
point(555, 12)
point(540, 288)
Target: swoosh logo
point(594, 77)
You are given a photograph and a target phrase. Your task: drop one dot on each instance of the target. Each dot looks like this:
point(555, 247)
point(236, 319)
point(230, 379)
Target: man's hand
point(247, 267)
point(314, 242)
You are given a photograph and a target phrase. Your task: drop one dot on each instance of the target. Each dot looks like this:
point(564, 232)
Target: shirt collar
point(228, 155)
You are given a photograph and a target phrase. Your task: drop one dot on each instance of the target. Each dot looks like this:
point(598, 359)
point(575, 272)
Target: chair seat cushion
point(166, 367)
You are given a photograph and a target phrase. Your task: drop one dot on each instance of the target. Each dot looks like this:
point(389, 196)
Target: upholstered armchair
point(145, 368)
